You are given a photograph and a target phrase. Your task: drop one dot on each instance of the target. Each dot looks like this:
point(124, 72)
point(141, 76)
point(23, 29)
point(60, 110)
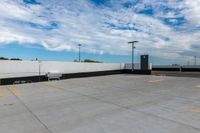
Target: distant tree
point(17, 59)
point(3, 58)
point(76, 60)
point(91, 61)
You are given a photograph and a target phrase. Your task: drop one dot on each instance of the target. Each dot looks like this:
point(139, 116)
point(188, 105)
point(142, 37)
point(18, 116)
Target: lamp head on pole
point(133, 42)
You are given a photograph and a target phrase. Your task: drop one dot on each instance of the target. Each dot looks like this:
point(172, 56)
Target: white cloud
point(81, 21)
point(192, 11)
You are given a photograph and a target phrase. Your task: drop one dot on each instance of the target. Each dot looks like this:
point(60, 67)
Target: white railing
point(137, 66)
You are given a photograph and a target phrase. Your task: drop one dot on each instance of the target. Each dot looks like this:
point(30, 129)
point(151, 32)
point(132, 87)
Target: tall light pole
point(195, 60)
point(133, 47)
point(188, 62)
point(39, 65)
point(79, 53)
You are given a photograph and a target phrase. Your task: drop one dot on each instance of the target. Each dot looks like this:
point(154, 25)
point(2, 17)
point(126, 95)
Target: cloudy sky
point(167, 30)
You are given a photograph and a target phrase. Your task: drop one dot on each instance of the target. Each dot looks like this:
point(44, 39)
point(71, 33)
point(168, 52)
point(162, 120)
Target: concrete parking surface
point(106, 104)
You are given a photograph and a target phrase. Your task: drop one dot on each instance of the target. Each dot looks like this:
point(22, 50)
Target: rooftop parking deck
point(105, 104)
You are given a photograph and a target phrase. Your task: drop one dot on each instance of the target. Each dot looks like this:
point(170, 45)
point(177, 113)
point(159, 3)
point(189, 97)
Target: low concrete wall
point(16, 72)
point(184, 68)
point(9, 69)
point(18, 68)
point(73, 67)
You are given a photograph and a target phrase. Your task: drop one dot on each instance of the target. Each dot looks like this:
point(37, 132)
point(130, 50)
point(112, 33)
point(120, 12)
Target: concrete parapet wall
point(10, 69)
point(184, 68)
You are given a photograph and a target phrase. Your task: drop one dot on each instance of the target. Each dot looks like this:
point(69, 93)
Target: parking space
point(105, 104)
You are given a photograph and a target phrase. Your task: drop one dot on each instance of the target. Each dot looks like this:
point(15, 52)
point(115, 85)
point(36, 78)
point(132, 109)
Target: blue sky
point(167, 30)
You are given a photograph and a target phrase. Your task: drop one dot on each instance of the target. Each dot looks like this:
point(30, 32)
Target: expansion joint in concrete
point(29, 110)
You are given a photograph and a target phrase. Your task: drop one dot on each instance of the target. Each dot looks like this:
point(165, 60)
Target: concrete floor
point(106, 104)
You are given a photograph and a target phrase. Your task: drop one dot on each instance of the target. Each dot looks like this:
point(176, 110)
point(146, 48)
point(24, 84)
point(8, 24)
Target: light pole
point(79, 55)
point(39, 63)
point(188, 62)
point(133, 47)
point(195, 60)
